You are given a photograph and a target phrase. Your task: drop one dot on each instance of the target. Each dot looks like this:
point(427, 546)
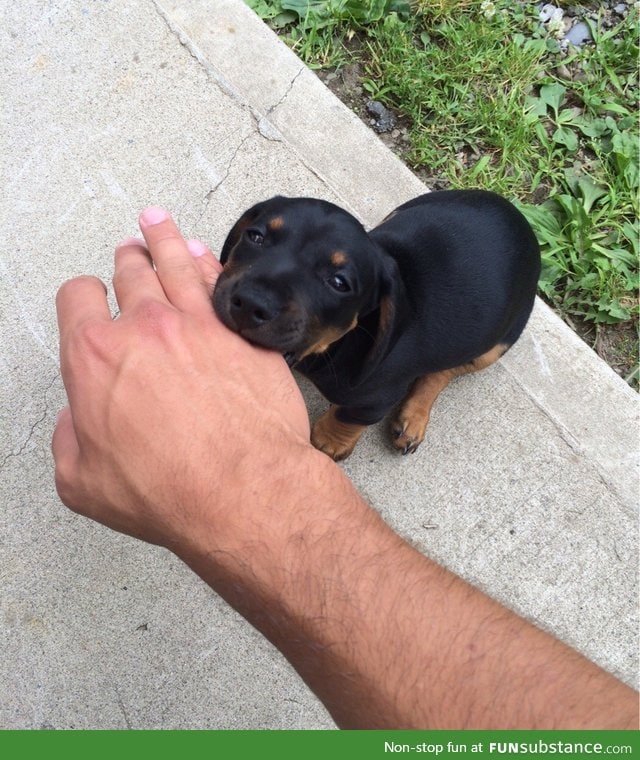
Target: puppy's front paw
point(335, 438)
point(408, 433)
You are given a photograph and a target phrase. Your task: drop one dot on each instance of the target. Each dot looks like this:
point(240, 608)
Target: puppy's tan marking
point(388, 217)
point(326, 337)
point(337, 439)
point(411, 423)
point(338, 258)
point(387, 311)
point(277, 223)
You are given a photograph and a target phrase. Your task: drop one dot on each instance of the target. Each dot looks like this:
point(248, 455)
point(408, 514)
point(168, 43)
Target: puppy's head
point(298, 275)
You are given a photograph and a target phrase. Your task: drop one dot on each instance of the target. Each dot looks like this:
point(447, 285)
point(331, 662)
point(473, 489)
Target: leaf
point(567, 137)
point(553, 95)
point(535, 106)
point(283, 19)
point(616, 254)
point(264, 9)
point(590, 192)
point(542, 220)
point(625, 144)
point(591, 127)
point(614, 108)
point(611, 311)
point(569, 115)
point(479, 166)
point(632, 175)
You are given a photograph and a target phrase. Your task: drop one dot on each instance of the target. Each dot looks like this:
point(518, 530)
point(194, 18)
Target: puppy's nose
point(252, 308)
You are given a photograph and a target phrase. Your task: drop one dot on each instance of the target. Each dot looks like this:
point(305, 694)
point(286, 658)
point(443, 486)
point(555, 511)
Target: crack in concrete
point(123, 710)
point(211, 192)
point(265, 126)
point(579, 449)
point(266, 130)
point(23, 446)
point(197, 54)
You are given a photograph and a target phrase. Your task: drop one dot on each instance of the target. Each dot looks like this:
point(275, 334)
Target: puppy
point(385, 319)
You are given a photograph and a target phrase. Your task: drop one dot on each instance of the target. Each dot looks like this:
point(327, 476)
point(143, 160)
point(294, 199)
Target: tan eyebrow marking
point(338, 258)
point(277, 223)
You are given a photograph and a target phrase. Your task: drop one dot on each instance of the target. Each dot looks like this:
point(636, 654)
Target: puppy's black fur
point(443, 286)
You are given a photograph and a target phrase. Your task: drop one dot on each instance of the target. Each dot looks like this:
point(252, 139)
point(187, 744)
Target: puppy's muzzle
point(251, 307)
point(261, 314)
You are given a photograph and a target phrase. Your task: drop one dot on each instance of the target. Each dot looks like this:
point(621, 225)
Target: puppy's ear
point(382, 321)
point(245, 221)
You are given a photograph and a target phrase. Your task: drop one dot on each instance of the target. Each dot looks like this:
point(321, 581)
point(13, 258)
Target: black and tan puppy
point(444, 286)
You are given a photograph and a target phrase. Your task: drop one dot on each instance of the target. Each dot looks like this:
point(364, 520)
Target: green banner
point(333, 745)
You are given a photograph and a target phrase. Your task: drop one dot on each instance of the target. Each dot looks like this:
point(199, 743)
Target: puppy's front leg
point(333, 436)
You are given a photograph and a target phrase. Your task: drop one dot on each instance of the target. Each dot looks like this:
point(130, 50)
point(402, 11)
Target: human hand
point(174, 422)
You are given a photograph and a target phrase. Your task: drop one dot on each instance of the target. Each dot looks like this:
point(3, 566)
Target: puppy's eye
point(339, 283)
point(255, 236)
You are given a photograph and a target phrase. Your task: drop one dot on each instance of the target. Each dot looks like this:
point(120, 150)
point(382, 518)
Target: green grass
point(492, 101)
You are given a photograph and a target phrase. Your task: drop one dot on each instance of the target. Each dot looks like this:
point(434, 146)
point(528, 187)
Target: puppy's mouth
point(262, 319)
point(291, 355)
point(285, 338)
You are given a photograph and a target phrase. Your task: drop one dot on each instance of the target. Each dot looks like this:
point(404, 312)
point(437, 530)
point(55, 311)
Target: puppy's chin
point(266, 337)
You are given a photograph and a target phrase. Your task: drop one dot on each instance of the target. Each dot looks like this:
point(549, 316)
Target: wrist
point(288, 529)
point(250, 514)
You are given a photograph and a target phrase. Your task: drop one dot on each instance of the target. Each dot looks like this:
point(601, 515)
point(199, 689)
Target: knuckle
point(121, 277)
point(91, 339)
point(155, 317)
point(76, 284)
point(66, 488)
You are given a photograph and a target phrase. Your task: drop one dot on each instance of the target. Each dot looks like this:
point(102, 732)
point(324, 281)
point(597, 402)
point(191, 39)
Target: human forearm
point(387, 638)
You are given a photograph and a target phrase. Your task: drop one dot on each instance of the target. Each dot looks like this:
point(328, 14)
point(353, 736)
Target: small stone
point(384, 120)
point(620, 9)
point(550, 12)
point(579, 34)
point(375, 108)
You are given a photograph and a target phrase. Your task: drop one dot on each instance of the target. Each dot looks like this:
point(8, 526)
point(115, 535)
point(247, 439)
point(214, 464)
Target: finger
point(66, 455)
point(134, 278)
point(206, 262)
point(79, 300)
point(178, 274)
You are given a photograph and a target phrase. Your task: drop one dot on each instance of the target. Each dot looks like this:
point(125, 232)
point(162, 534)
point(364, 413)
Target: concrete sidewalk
point(526, 486)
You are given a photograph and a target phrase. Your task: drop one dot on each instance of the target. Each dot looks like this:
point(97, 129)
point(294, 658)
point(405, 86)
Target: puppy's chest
point(341, 385)
point(337, 384)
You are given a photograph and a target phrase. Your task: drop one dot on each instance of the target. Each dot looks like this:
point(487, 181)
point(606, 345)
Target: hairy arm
point(385, 637)
point(181, 434)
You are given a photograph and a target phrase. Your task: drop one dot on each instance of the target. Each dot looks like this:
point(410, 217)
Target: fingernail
point(132, 241)
point(153, 215)
point(196, 248)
